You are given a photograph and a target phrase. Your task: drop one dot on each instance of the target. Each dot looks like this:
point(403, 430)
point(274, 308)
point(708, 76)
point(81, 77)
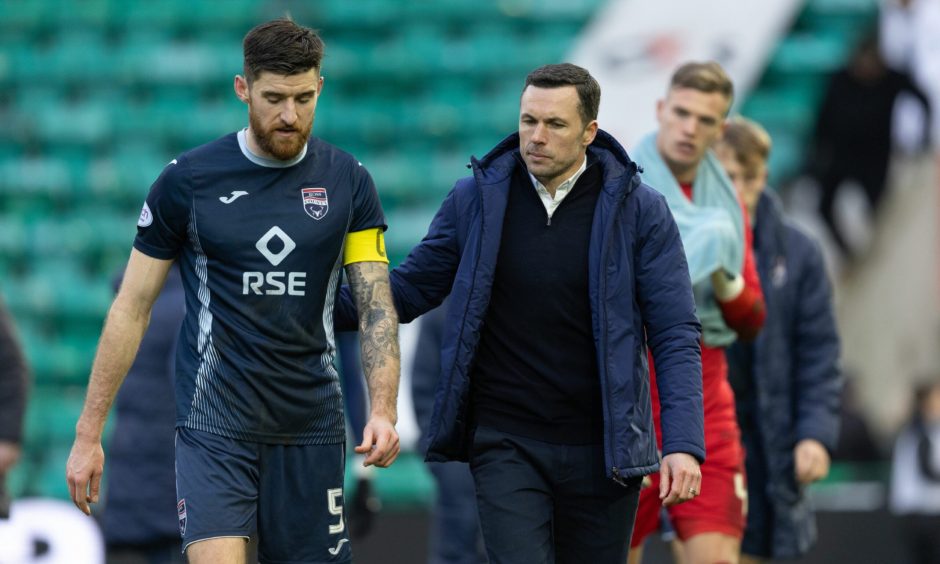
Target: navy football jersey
point(260, 244)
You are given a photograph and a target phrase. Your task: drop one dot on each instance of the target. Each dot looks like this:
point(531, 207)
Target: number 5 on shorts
point(332, 496)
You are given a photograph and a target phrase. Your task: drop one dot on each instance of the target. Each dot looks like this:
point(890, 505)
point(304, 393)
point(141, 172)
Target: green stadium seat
point(19, 15)
point(445, 111)
point(810, 53)
point(25, 63)
point(544, 44)
point(45, 178)
point(502, 103)
point(13, 46)
point(69, 14)
point(186, 62)
point(787, 154)
point(61, 361)
point(452, 12)
point(32, 99)
point(209, 121)
point(493, 48)
point(393, 176)
point(445, 168)
point(842, 7)
point(49, 479)
point(80, 56)
point(17, 479)
point(138, 49)
point(235, 16)
point(167, 15)
point(84, 122)
point(362, 14)
point(346, 56)
point(56, 289)
point(417, 50)
point(406, 227)
point(51, 415)
point(781, 108)
point(13, 238)
point(137, 165)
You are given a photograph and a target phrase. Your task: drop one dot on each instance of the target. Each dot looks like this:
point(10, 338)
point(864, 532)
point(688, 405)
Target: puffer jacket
point(793, 370)
point(640, 294)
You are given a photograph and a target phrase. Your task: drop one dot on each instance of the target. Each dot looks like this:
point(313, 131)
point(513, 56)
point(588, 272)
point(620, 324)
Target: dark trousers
point(455, 524)
point(922, 536)
point(759, 532)
point(872, 177)
point(542, 503)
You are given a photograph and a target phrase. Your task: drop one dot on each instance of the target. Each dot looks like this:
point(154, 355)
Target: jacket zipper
point(602, 297)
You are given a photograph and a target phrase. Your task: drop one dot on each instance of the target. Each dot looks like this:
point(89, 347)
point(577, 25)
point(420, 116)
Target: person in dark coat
point(562, 268)
point(788, 382)
point(852, 135)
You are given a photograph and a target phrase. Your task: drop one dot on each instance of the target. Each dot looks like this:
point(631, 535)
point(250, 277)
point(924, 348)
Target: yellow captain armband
point(365, 246)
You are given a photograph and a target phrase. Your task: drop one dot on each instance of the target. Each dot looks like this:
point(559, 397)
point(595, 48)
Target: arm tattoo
point(378, 329)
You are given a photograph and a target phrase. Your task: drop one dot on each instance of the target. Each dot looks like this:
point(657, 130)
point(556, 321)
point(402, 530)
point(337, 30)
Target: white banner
point(633, 47)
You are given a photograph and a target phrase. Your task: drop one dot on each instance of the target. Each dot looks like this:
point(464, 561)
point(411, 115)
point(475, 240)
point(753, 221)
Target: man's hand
point(83, 472)
point(9, 455)
point(811, 461)
point(680, 478)
point(379, 442)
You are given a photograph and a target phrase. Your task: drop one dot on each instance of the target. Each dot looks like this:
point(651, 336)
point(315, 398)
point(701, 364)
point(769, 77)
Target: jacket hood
point(498, 164)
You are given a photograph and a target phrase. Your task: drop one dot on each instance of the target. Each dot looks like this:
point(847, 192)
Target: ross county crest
point(315, 202)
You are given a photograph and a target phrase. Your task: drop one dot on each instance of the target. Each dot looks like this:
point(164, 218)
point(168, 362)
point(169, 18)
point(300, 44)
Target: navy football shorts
point(291, 495)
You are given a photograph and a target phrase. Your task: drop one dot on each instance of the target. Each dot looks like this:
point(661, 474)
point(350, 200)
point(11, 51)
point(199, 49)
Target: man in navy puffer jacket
point(562, 267)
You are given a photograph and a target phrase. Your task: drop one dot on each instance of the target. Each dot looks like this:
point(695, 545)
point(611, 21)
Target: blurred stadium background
point(97, 95)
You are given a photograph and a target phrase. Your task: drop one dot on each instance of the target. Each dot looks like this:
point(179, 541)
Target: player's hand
point(680, 478)
point(727, 286)
point(379, 442)
point(811, 461)
point(83, 472)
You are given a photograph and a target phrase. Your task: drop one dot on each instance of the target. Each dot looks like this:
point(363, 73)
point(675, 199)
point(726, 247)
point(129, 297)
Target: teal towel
point(711, 227)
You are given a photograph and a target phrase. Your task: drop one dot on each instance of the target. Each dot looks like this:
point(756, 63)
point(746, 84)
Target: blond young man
point(678, 162)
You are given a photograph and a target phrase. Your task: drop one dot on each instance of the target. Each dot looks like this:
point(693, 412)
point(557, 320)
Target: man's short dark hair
point(566, 74)
point(281, 47)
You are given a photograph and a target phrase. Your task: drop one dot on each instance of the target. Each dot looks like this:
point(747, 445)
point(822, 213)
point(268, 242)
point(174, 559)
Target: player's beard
point(278, 147)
